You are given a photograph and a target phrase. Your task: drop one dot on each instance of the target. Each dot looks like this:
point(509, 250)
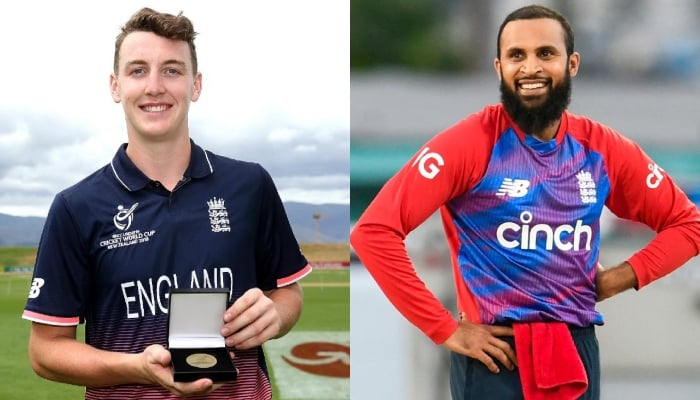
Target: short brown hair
point(536, 11)
point(175, 27)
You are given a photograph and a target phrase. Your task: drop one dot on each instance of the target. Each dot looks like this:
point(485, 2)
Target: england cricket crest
point(218, 215)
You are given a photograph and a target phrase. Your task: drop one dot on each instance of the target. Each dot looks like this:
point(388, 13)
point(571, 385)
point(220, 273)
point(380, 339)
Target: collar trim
point(116, 175)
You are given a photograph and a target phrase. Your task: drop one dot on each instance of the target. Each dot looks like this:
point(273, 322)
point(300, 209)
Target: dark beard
point(535, 119)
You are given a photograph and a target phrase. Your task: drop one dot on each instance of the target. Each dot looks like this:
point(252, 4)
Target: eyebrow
point(166, 62)
point(538, 49)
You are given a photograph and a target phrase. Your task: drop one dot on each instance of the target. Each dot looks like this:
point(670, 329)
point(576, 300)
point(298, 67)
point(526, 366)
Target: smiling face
point(155, 83)
point(535, 72)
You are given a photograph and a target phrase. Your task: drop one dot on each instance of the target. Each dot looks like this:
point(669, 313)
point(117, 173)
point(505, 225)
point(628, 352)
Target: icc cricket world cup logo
point(123, 218)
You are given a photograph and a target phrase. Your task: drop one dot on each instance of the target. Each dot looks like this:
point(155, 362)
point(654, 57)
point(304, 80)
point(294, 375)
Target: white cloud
point(315, 196)
point(13, 141)
point(305, 148)
point(318, 189)
point(282, 135)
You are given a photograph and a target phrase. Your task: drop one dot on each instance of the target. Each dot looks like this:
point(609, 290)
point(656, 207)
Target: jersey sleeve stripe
point(288, 280)
point(49, 319)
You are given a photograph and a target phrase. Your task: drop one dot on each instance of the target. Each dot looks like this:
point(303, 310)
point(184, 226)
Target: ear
point(574, 63)
point(114, 88)
point(197, 87)
point(497, 67)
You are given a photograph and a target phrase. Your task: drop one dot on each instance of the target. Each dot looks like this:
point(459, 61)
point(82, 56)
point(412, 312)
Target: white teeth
point(154, 108)
point(532, 85)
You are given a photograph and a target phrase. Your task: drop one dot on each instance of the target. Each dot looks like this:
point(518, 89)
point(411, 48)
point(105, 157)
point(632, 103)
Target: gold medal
point(201, 360)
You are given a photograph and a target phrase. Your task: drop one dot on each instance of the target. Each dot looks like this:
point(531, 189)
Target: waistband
point(580, 331)
point(576, 331)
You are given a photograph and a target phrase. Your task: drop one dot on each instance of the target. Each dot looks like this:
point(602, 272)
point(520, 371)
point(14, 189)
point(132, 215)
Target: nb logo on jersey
point(513, 187)
point(124, 218)
point(654, 178)
point(35, 289)
point(429, 163)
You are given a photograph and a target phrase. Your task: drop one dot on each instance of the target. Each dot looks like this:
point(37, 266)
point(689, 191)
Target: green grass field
point(326, 308)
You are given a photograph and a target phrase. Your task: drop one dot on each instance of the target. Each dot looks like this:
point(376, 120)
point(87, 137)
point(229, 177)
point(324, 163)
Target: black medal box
point(195, 318)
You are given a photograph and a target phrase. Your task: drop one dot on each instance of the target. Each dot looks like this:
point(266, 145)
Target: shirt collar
point(558, 138)
point(132, 179)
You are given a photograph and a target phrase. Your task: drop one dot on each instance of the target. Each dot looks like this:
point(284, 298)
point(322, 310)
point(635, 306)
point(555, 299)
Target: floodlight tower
point(317, 225)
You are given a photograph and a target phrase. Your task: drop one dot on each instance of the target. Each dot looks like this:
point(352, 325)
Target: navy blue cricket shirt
point(116, 242)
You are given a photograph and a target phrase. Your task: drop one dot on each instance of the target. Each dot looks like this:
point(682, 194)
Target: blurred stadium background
point(419, 66)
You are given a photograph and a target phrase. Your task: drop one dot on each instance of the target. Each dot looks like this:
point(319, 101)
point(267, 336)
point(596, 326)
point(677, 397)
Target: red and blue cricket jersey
point(521, 219)
point(115, 243)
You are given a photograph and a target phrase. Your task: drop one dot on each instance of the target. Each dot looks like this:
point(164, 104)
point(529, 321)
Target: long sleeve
point(642, 191)
point(439, 171)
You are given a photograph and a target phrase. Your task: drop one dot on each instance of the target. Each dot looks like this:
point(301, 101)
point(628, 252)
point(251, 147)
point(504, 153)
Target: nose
point(154, 84)
point(531, 66)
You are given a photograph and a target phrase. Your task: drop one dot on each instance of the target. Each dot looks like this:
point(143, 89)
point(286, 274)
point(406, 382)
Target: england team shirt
point(521, 219)
point(114, 244)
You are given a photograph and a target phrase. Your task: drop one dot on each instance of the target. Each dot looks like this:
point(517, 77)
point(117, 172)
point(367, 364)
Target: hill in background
point(20, 231)
point(311, 223)
point(323, 223)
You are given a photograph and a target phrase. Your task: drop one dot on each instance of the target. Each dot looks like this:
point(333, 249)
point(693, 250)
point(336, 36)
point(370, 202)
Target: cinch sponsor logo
point(564, 237)
point(429, 163)
point(513, 187)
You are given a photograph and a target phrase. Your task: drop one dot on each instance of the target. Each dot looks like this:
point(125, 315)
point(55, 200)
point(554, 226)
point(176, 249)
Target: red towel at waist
point(549, 364)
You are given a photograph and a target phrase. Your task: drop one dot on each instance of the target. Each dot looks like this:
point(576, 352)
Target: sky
point(276, 90)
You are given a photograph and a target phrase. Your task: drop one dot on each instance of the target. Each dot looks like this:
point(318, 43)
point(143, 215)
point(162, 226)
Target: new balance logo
point(35, 289)
point(513, 187)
